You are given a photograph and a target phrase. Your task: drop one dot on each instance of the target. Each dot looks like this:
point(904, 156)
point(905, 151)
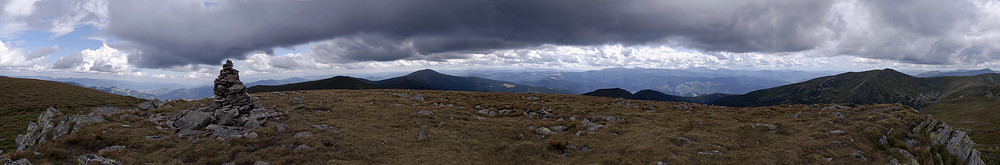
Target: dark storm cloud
point(171, 33)
point(174, 33)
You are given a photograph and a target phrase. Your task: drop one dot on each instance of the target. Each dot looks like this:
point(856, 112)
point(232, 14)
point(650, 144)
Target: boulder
point(193, 120)
point(36, 131)
point(90, 158)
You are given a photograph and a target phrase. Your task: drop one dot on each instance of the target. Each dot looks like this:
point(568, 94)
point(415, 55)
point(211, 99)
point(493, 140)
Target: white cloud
point(11, 56)
point(103, 60)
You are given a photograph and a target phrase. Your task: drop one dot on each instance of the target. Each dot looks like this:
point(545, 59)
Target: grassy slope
point(977, 109)
point(376, 126)
point(22, 100)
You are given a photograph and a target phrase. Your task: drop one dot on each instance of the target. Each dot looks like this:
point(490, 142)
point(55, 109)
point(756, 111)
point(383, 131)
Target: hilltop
point(648, 94)
point(447, 127)
point(22, 100)
point(419, 80)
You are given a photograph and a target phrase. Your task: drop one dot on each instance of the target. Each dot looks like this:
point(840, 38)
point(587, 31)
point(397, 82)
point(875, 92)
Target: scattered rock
point(796, 115)
point(910, 143)
point(252, 135)
point(686, 140)
point(194, 120)
point(836, 132)
point(710, 153)
point(839, 115)
point(324, 127)
point(559, 128)
point(188, 133)
point(90, 158)
point(584, 149)
point(105, 110)
point(771, 127)
point(110, 148)
point(544, 131)
point(22, 161)
point(35, 135)
point(425, 112)
point(302, 147)
point(303, 134)
point(421, 135)
point(300, 106)
point(297, 100)
point(418, 96)
point(480, 118)
point(154, 137)
point(909, 157)
point(883, 140)
point(894, 162)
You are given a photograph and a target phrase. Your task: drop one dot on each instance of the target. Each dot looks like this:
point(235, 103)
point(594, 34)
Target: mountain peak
point(425, 72)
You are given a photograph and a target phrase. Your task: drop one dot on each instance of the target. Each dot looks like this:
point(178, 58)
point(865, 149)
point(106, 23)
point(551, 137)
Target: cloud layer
point(182, 34)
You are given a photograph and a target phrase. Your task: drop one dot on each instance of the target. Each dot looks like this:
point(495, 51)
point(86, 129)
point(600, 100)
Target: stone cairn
point(233, 112)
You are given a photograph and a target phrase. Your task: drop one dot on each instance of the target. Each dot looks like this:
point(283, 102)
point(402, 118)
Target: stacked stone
point(231, 98)
point(233, 110)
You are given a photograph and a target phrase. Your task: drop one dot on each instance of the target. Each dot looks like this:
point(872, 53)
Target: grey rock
point(796, 115)
point(584, 149)
point(910, 143)
point(771, 128)
point(261, 163)
point(193, 120)
point(105, 110)
point(297, 100)
point(910, 158)
point(883, 140)
point(252, 135)
point(421, 135)
point(303, 134)
point(324, 127)
point(300, 106)
point(544, 131)
point(154, 137)
point(227, 132)
point(22, 161)
point(90, 158)
point(280, 127)
point(425, 112)
point(839, 115)
point(894, 161)
point(710, 153)
point(686, 140)
point(559, 128)
point(836, 132)
point(35, 134)
point(188, 133)
point(418, 96)
point(302, 147)
point(111, 148)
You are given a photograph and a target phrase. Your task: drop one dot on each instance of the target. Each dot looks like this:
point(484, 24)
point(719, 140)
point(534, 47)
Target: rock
point(22, 161)
point(660, 163)
point(280, 127)
point(296, 100)
point(910, 159)
point(480, 118)
point(154, 137)
point(796, 115)
point(544, 131)
point(323, 127)
point(300, 106)
point(303, 134)
point(105, 110)
point(839, 115)
point(425, 112)
point(193, 120)
point(421, 135)
point(90, 158)
point(771, 128)
point(418, 96)
point(35, 134)
point(686, 140)
point(836, 132)
point(559, 128)
point(226, 133)
point(302, 147)
point(584, 149)
point(910, 143)
point(261, 163)
point(187, 133)
point(252, 135)
point(894, 162)
point(110, 148)
point(710, 153)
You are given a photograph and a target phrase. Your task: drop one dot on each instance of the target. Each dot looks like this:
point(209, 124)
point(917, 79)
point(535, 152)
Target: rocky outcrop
point(36, 130)
point(233, 112)
point(955, 141)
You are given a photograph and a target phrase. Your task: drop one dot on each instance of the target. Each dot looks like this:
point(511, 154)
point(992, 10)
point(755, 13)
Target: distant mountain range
point(206, 91)
point(681, 82)
point(653, 95)
point(870, 87)
point(960, 72)
point(420, 80)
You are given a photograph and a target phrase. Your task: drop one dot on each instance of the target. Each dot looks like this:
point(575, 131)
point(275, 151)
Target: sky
point(187, 41)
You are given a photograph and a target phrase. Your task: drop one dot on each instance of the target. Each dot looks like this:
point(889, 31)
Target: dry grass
point(379, 127)
point(22, 100)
